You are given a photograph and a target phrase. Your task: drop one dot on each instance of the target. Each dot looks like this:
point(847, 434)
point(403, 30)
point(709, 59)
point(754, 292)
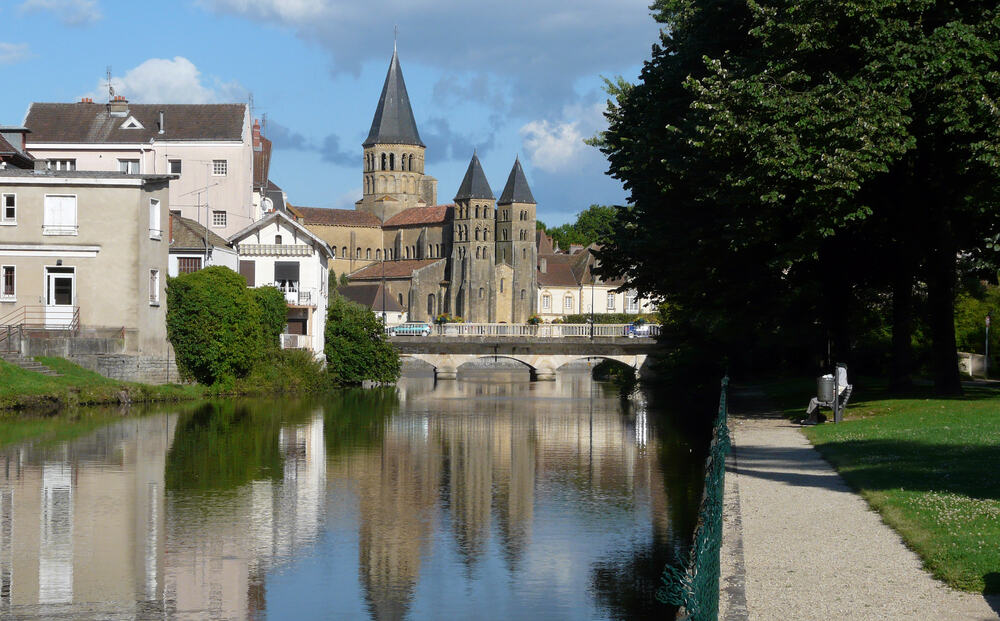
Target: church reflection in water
point(189, 513)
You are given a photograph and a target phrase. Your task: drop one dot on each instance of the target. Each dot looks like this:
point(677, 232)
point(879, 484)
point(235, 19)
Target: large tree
point(773, 149)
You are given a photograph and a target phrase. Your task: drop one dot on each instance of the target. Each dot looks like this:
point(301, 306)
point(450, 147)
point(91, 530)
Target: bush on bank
point(611, 318)
point(273, 315)
point(356, 347)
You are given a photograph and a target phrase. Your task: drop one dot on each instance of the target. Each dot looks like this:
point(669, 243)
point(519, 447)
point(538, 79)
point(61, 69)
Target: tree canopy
point(800, 163)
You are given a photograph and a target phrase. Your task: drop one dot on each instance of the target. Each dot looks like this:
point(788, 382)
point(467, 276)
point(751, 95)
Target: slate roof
point(91, 123)
point(474, 184)
point(189, 235)
point(516, 190)
point(418, 216)
point(393, 269)
point(334, 217)
point(370, 296)
point(7, 150)
point(393, 122)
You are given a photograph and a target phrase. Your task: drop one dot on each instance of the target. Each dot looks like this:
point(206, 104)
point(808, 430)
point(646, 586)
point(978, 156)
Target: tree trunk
point(941, 284)
point(901, 365)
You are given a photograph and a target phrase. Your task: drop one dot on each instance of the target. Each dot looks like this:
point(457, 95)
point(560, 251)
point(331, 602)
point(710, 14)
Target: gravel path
point(798, 544)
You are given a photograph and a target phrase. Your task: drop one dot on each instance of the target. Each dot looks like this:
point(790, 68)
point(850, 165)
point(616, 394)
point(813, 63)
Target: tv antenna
point(111, 89)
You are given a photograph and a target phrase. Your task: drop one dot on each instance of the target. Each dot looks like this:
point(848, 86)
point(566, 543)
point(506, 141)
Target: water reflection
point(490, 496)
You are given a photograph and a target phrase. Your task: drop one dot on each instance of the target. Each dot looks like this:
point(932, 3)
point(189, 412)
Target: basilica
point(474, 258)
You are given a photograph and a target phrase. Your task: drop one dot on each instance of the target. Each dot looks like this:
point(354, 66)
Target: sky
point(518, 78)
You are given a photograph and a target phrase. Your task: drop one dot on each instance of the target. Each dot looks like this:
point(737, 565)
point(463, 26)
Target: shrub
point(610, 318)
point(356, 347)
point(534, 320)
point(213, 325)
point(447, 318)
point(284, 371)
point(273, 315)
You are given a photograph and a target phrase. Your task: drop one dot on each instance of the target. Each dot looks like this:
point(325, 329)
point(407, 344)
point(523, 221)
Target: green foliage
point(611, 318)
point(790, 157)
point(593, 225)
point(447, 318)
point(286, 371)
point(273, 313)
point(356, 345)
point(214, 325)
point(534, 320)
point(971, 309)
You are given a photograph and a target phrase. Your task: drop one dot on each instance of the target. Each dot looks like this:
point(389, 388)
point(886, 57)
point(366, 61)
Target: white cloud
point(161, 80)
point(557, 146)
point(11, 53)
point(347, 199)
point(70, 12)
point(285, 10)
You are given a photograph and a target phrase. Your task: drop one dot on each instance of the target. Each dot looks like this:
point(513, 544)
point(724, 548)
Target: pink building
point(210, 147)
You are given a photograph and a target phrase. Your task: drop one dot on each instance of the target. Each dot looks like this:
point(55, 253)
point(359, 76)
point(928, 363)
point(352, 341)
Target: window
point(333, 251)
point(546, 302)
point(9, 213)
point(154, 219)
point(400, 297)
point(186, 265)
point(524, 253)
point(368, 253)
point(378, 254)
point(218, 218)
point(482, 292)
point(501, 285)
point(568, 302)
point(7, 292)
point(430, 304)
point(523, 293)
point(61, 164)
point(277, 240)
point(392, 161)
point(59, 215)
point(632, 303)
point(129, 167)
point(154, 287)
point(357, 252)
point(343, 253)
point(611, 301)
point(175, 167)
point(220, 168)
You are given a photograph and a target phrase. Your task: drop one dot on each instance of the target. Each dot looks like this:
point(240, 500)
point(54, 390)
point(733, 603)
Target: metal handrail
point(33, 317)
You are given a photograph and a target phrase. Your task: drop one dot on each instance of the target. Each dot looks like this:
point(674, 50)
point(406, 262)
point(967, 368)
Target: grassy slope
point(26, 389)
point(931, 467)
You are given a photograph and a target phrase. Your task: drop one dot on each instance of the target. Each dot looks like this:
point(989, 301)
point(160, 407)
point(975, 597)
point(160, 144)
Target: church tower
point(394, 178)
point(515, 242)
point(473, 247)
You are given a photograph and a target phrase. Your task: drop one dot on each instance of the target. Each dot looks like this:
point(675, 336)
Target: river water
point(490, 497)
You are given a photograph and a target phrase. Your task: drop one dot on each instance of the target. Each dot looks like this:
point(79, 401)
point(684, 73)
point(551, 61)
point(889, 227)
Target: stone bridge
point(541, 355)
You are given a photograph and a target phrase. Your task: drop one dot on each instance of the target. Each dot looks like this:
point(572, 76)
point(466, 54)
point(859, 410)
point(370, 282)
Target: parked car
point(411, 328)
point(640, 329)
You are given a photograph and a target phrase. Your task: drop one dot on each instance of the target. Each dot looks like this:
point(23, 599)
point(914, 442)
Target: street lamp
point(592, 302)
point(986, 357)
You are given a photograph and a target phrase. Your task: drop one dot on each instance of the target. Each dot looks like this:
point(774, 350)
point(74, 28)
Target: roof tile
point(335, 217)
point(90, 123)
point(421, 215)
point(393, 269)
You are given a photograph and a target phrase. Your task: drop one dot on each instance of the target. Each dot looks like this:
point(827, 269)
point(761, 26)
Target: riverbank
point(22, 390)
point(805, 546)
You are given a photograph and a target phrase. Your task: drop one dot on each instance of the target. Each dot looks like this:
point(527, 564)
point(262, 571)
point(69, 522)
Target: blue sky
point(506, 78)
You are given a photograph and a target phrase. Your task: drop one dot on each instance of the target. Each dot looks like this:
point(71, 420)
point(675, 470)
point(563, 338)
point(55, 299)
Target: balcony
point(299, 296)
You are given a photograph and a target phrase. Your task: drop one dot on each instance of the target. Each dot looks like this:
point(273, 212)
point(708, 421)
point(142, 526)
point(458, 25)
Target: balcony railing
point(44, 317)
point(295, 341)
point(547, 330)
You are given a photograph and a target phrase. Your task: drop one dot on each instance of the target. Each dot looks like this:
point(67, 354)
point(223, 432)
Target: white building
point(193, 247)
point(277, 251)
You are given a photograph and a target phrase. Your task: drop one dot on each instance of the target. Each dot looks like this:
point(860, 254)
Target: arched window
point(368, 253)
point(430, 304)
point(411, 162)
point(465, 232)
point(383, 161)
point(481, 292)
point(357, 252)
point(343, 252)
point(477, 233)
point(407, 252)
point(392, 161)
point(477, 252)
point(437, 250)
point(524, 253)
point(277, 240)
point(430, 250)
point(486, 234)
point(378, 254)
point(477, 211)
point(501, 285)
point(333, 251)
point(568, 302)
point(400, 298)
point(523, 293)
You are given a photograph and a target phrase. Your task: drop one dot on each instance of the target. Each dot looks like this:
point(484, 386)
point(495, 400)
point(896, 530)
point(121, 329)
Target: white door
point(60, 296)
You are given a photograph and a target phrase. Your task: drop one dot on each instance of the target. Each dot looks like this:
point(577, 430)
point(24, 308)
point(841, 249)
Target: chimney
point(118, 106)
point(161, 122)
point(257, 144)
point(170, 228)
point(86, 100)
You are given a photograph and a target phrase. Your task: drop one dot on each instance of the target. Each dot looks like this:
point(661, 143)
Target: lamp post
point(592, 302)
point(986, 357)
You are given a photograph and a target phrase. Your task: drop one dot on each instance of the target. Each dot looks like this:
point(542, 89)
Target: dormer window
point(277, 240)
point(131, 123)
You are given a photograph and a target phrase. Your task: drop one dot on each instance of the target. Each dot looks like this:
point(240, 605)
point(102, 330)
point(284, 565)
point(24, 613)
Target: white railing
point(299, 296)
point(544, 330)
point(295, 341)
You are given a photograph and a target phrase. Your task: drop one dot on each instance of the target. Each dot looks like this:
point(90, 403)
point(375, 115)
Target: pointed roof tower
point(393, 122)
point(474, 185)
point(516, 190)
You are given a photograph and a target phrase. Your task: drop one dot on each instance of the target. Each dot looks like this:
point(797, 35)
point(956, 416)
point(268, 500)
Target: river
point(490, 497)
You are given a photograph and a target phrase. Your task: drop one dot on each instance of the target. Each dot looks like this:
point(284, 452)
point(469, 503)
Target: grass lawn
point(21, 389)
point(931, 467)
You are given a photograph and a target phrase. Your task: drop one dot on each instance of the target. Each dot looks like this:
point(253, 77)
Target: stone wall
point(131, 368)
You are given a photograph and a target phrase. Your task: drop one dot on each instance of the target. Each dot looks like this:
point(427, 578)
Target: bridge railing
point(544, 330)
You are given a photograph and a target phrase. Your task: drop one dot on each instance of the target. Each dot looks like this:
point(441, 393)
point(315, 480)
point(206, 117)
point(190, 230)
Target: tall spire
point(474, 185)
point(516, 190)
point(393, 122)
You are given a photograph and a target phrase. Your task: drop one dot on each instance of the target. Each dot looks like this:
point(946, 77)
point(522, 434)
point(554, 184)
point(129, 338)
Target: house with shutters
point(86, 251)
point(277, 251)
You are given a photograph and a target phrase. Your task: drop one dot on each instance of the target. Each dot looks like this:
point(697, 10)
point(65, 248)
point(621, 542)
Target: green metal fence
point(695, 588)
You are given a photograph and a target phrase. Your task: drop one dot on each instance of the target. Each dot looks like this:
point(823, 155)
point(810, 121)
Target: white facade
point(276, 251)
point(555, 302)
point(226, 257)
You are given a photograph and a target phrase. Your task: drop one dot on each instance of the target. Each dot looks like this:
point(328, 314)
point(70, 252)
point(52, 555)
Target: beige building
point(209, 147)
point(86, 249)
